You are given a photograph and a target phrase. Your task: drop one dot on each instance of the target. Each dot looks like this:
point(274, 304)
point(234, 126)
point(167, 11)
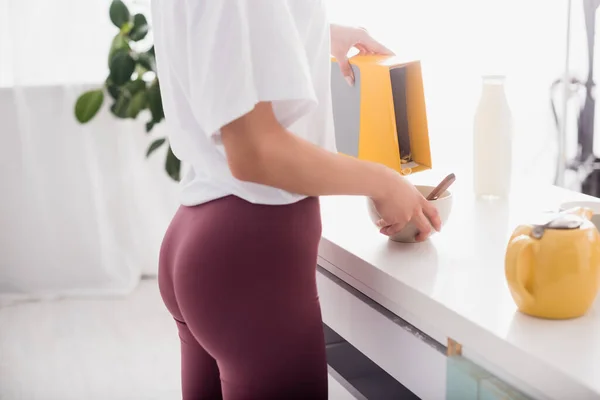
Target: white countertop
point(455, 283)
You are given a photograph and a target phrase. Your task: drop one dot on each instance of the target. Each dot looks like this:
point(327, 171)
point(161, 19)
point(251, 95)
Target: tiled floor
point(122, 349)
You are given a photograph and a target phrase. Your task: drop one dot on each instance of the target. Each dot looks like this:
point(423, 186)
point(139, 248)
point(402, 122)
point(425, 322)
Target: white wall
point(460, 40)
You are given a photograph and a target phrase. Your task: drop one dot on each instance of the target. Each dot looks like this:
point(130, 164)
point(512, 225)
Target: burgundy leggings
point(239, 280)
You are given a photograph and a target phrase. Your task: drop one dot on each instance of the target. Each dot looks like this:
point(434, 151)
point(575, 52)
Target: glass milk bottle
point(492, 140)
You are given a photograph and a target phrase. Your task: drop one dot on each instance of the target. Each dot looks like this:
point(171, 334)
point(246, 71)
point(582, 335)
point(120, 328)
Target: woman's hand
point(344, 38)
point(403, 203)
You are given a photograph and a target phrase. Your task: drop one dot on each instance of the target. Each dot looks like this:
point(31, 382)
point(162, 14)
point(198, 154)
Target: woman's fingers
point(392, 229)
point(346, 69)
point(421, 237)
point(372, 45)
point(425, 221)
point(433, 216)
point(382, 224)
point(344, 38)
point(362, 50)
point(422, 224)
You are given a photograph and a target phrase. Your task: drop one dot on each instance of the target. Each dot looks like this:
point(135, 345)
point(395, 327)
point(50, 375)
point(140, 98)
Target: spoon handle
point(442, 187)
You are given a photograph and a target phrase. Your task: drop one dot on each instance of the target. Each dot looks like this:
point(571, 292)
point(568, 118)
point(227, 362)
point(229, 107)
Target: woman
point(246, 94)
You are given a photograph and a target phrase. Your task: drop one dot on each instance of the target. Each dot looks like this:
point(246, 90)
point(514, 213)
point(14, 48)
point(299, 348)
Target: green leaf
point(113, 90)
point(119, 13)
point(137, 104)
point(88, 105)
point(119, 108)
point(140, 71)
point(126, 28)
point(172, 165)
point(121, 67)
point(119, 43)
point(155, 102)
point(155, 145)
point(147, 61)
point(133, 87)
point(140, 27)
point(149, 126)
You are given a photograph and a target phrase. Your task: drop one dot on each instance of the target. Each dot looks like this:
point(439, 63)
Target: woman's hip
point(231, 235)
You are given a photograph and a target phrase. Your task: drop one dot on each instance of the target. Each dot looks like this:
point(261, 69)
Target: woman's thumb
point(346, 70)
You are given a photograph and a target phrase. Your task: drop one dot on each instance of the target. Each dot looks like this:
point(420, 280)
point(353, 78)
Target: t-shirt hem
point(267, 201)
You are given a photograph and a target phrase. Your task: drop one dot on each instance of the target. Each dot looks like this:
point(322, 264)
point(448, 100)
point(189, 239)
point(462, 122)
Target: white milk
point(492, 140)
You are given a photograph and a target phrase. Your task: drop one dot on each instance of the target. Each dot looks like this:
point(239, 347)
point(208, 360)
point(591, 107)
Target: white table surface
point(455, 283)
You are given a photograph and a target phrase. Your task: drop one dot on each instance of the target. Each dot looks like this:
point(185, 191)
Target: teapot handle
point(514, 266)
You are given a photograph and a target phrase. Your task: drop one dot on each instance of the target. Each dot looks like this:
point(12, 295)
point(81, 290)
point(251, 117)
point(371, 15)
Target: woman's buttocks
point(231, 233)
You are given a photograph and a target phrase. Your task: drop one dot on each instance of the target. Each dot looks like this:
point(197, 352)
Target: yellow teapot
point(553, 268)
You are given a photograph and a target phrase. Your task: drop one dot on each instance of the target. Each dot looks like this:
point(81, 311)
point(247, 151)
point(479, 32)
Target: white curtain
point(82, 212)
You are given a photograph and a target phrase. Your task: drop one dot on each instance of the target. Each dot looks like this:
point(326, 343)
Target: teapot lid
point(561, 221)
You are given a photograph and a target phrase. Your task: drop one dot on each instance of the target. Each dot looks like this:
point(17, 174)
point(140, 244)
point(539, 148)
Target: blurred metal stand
point(585, 164)
point(561, 161)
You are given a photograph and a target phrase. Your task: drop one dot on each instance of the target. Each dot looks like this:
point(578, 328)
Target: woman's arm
point(260, 150)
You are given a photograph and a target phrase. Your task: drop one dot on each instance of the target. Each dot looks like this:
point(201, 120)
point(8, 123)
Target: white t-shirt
point(217, 59)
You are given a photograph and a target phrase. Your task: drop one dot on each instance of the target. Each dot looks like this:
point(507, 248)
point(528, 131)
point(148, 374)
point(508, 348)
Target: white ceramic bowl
point(407, 235)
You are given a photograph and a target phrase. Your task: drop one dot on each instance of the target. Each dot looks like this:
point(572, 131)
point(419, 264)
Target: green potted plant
point(132, 84)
